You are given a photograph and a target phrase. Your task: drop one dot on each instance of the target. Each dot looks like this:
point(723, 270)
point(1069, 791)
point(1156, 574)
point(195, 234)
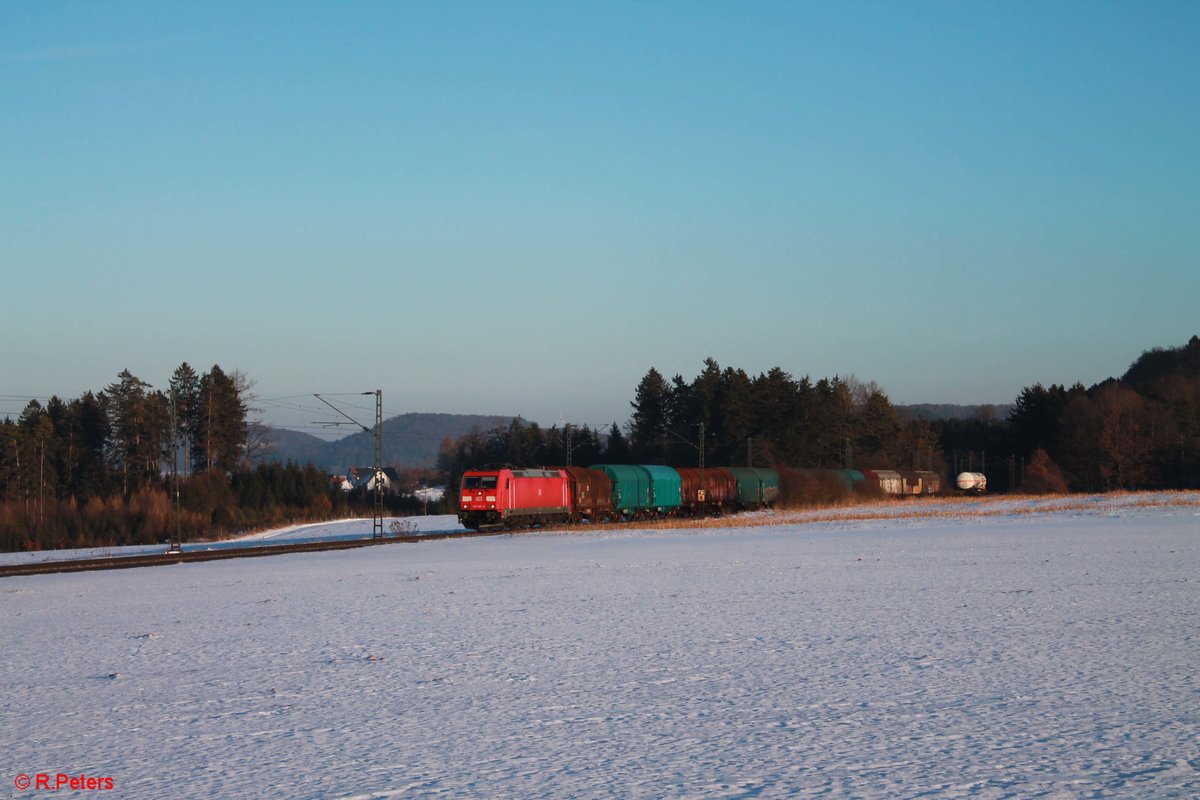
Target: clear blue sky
point(519, 208)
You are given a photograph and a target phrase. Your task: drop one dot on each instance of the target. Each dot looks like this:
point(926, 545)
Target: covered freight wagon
point(590, 492)
point(705, 490)
point(887, 480)
point(665, 486)
point(921, 482)
point(630, 488)
point(756, 487)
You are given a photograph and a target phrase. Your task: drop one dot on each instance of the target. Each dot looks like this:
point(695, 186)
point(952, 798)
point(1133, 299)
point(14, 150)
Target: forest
point(1141, 431)
point(130, 464)
point(728, 417)
point(133, 465)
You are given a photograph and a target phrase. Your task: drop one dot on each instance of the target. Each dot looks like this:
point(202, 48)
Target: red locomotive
point(506, 497)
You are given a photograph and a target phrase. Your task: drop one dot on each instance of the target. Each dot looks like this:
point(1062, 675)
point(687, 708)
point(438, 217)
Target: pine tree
point(648, 425)
point(138, 421)
point(1035, 418)
point(221, 431)
point(37, 445)
point(733, 422)
point(1076, 444)
point(776, 411)
point(617, 450)
point(10, 459)
point(185, 393)
point(94, 478)
point(876, 427)
point(696, 408)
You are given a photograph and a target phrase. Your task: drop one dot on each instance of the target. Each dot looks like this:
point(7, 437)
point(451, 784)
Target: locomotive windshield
point(479, 482)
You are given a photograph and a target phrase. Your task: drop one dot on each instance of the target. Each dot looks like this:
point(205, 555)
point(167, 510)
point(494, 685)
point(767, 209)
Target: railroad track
point(256, 551)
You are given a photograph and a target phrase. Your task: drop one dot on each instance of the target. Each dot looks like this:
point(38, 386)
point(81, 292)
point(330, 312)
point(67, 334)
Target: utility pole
point(377, 522)
point(377, 468)
point(175, 543)
point(700, 497)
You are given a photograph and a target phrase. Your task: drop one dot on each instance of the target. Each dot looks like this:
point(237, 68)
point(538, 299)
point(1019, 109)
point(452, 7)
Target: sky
point(519, 208)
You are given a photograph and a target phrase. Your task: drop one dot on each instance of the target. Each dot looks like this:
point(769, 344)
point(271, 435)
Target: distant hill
point(410, 440)
point(935, 411)
point(1159, 363)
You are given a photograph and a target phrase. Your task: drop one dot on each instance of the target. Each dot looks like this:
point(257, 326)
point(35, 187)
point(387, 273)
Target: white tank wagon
point(974, 482)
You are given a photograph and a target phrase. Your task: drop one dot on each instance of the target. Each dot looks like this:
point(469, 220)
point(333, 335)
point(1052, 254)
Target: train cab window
point(479, 482)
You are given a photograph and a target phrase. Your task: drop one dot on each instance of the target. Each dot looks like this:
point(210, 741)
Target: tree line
point(97, 470)
point(768, 420)
point(127, 464)
point(1141, 431)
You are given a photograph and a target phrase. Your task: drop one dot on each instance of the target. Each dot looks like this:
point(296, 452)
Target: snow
point(344, 529)
point(1001, 655)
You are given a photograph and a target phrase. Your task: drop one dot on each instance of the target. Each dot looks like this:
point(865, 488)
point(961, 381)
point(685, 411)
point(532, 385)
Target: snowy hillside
point(1001, 655)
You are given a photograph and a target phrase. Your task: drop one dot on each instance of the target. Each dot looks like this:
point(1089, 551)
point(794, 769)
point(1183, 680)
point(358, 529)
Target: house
point(364, 477)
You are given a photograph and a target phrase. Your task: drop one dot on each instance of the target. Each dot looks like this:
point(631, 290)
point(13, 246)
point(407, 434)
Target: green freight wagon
point(665, 488)
point(630, 488)
point(756, 487)
point(851, 478)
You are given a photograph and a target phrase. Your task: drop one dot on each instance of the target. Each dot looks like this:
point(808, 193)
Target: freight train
point(502, 496)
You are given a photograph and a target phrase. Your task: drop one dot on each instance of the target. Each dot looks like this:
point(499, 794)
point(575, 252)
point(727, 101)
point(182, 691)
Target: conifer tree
point(220, 423)
point(93, 478)
point(36, 443)
point(617, 450)
point(138, 424)
point(185, 393)
point(733, 422)
point(648, 425)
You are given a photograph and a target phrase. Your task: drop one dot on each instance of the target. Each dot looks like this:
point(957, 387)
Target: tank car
point(971, 482)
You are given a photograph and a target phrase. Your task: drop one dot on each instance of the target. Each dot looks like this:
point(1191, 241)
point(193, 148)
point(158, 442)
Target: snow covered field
point(308, 532)
point(1003, 655)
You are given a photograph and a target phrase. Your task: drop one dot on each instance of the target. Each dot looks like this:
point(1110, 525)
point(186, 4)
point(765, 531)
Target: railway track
point(256, 551)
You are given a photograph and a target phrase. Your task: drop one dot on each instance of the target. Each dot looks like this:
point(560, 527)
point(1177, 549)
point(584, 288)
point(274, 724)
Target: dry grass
point(934, 508)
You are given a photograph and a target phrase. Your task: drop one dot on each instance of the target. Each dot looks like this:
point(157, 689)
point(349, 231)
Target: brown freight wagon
point(709, 490)
point(591, 494)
